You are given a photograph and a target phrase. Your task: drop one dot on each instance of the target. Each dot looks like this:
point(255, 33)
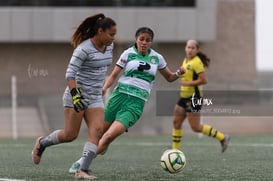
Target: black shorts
point(190, 104)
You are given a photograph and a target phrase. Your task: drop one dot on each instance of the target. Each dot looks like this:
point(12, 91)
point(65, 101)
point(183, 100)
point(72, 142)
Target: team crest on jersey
point(153, 59)
point(188, 67)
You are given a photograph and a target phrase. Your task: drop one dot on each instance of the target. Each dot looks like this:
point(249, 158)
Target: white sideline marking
point(9, 179)
point(196, 144)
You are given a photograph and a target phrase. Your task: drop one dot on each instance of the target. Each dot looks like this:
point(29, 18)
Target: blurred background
point(35, 51)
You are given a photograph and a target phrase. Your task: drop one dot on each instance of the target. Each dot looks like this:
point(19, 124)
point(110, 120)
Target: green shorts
point(123, 108)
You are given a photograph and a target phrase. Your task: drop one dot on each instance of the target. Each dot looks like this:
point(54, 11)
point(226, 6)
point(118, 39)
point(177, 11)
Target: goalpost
point(14, 107)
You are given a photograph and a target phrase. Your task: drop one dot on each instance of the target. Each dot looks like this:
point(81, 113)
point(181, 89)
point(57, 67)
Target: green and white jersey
point(139, 72)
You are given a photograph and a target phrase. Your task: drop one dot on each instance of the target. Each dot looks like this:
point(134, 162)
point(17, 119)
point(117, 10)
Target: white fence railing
point(14, 107)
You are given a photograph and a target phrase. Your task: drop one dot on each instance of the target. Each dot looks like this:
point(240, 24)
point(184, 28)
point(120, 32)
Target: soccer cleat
point(37, 151)
point(75, 167)
point(84, 175)
point(224, 143)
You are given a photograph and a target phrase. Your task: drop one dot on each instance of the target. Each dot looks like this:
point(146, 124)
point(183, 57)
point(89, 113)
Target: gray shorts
point(95, 101)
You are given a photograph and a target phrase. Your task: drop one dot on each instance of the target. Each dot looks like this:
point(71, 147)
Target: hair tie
point(99, 19)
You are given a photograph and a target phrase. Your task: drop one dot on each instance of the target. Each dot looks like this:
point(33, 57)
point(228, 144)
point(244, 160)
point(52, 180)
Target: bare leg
point(179, 116)
point(69, 133)
point(115, 130)
point(94, 118)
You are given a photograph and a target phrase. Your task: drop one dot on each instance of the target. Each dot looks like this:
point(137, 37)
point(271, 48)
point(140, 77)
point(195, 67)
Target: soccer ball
point(173, 160)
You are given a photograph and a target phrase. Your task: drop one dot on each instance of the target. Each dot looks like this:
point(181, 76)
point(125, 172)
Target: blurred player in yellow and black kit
point(191, 81)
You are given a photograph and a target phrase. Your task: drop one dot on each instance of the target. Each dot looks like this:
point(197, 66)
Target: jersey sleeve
point(122, 61)
point(162, 62)
point(199, 67)
point(76, 61)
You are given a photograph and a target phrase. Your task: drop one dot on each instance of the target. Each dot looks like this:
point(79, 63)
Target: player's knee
point(98, 131)
point(108, 137)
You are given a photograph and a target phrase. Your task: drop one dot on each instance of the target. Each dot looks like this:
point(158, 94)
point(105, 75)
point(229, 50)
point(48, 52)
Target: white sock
point(89, 153)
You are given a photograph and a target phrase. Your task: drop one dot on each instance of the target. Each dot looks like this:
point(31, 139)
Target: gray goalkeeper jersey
point(88, 67)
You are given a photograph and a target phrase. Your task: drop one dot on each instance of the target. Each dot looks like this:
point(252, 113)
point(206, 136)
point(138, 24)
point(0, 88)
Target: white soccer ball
point(173, 160)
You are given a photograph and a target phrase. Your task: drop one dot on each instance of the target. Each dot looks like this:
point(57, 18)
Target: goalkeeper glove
point(78, 100)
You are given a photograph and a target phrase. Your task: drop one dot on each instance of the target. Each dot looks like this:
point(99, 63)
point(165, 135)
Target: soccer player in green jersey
point(139, 65)
point(191, 82)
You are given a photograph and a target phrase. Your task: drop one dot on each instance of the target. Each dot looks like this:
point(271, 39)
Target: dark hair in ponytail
point(89, 28)
point(204, 58)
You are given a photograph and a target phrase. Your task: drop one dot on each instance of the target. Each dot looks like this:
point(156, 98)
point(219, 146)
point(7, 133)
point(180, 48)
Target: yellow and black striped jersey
point(193, 67)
